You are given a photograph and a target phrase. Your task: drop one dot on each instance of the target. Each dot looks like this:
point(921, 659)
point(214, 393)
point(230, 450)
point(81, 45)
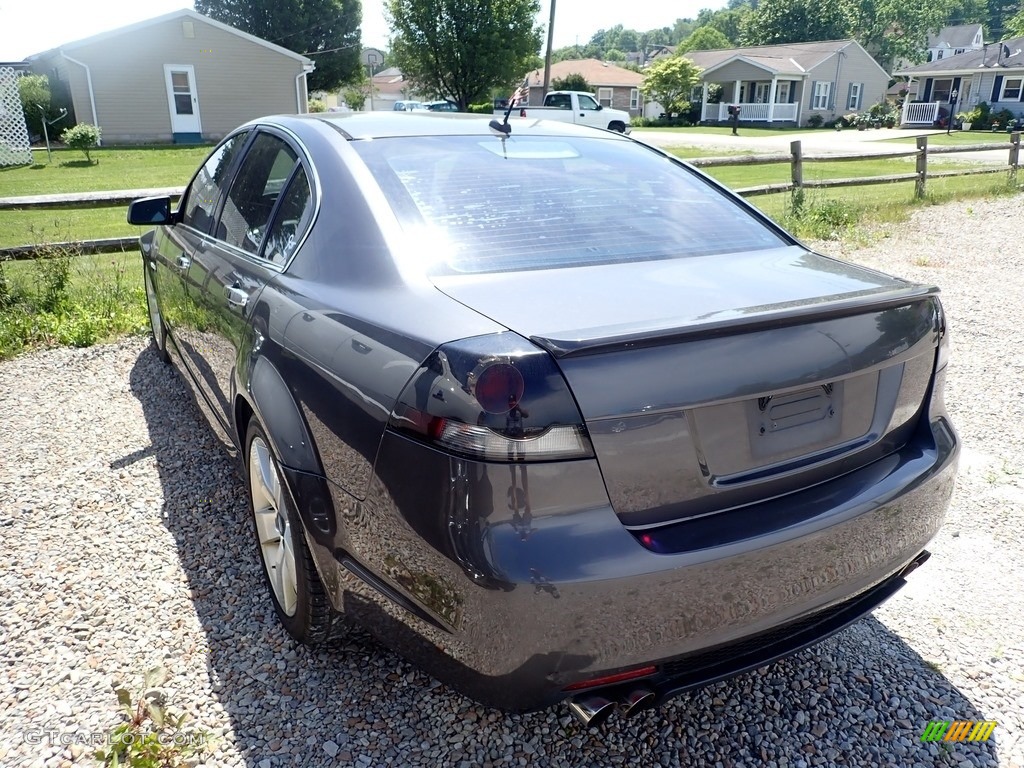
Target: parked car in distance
point(441, 106)
point(407, 106)
point(598, 432)
point(573, 107)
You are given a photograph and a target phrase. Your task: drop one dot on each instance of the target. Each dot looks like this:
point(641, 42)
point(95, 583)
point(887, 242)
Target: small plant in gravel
point(151, 736)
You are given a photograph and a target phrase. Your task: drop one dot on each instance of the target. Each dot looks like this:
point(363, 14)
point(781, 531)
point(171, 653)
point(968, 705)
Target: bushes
point(34, 92)
point(82, 136)
point(815, 121)
point(67, 299)
point(316, 105)
point(483, 108)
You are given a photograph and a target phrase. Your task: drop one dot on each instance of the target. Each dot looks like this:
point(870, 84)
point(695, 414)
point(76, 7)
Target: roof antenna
point(504, 127)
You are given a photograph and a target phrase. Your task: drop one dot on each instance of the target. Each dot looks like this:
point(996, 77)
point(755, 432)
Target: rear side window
point(480, 204)
point(292, 220)
point(260, 180)
point(200, 205)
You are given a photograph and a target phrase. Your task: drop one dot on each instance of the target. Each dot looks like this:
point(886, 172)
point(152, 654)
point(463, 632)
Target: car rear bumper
point(510, 605)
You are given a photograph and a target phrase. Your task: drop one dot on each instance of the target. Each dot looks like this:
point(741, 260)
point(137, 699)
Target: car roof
point(391, 124)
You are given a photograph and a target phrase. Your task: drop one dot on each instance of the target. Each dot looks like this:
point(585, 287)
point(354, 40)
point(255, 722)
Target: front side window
point(472, 205)
point(200, 203)
point(587, 102)
point(604, 95)
point(261, 178)
point(821, 94)
point(1011, 89)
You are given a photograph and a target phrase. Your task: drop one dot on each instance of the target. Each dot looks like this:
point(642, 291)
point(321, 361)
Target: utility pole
point(547, 58)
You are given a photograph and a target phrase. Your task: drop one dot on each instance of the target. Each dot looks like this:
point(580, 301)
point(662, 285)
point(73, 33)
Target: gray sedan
point(549, 412)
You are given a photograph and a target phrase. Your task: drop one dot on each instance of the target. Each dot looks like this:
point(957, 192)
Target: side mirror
point(600, 107)
point(150, 210)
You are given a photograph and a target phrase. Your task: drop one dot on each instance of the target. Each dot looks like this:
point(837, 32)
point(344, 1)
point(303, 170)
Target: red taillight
point(619, 677)
point(499, 388)
point(495, 398)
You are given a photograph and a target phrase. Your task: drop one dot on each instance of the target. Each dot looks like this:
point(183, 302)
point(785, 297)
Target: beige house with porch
point(788, 83)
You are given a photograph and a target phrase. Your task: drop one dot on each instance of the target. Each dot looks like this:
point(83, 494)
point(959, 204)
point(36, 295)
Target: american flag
point(520, 93)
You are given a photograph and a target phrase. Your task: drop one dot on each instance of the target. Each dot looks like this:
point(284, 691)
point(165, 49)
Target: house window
point(1011, 89)
point(854, 102)
point(822, 90)
point(604, 95)
point(782, 92)
point(941, 89)
point(697, 93)
point(940, 54)
point(958, 51)
point(634, 98)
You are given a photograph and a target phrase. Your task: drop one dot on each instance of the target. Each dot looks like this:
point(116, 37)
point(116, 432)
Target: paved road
point(814, 142)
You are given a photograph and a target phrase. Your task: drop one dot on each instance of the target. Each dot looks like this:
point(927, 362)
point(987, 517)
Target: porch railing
point(750, 112)
point(922, 112)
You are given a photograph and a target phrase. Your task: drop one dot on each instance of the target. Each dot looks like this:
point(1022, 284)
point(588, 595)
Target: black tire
point(306, 614)
point(617, 127)
point(156, 320)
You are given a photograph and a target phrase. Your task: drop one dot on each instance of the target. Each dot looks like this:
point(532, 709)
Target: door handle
point(184, 262)
point(236, 296)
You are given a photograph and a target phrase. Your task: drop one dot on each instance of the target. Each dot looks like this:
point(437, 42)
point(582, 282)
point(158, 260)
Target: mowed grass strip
point(64, 225)
point(958, 138)
point(737, 177)
point(113, 168)
point(723, 130)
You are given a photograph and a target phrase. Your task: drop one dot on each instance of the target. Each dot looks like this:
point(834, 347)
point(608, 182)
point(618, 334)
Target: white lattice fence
point(14, 145)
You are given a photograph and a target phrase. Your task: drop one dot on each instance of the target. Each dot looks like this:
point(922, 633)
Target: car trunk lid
point(714, 382)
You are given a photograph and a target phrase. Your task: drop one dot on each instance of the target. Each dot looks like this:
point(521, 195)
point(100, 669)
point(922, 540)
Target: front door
point(229, 269)
point(183, 101)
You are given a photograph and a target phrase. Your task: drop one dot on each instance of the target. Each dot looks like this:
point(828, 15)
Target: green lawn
point(59, 225)
point(884, 202)
point(114, 168)
point(756, 175)
point(722, 130)
point(691, 153)
point(958, 137)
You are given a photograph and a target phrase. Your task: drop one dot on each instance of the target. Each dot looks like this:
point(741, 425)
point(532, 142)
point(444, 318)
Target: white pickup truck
point(573, 107)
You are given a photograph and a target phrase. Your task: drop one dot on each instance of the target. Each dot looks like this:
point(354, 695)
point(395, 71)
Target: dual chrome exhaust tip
point(594, 709)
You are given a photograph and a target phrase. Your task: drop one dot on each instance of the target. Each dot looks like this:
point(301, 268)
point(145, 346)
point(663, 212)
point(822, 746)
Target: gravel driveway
point(125, 535)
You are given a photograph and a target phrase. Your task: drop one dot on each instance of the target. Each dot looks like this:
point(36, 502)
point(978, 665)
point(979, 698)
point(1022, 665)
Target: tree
point(670, 81)
point(875, 21)
point(1015, 26)
point(703, 39)
point(797, 21)
point(463, 49)
point(728, 21)
point(571, 82)
point(327, 31)
point(34, 91)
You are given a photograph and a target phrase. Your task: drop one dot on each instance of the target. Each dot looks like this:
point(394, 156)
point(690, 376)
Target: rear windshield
point(479, 204)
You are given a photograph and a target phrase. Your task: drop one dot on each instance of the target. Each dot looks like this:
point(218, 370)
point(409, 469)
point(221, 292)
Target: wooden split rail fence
point(795, 158)
point(922, 152)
